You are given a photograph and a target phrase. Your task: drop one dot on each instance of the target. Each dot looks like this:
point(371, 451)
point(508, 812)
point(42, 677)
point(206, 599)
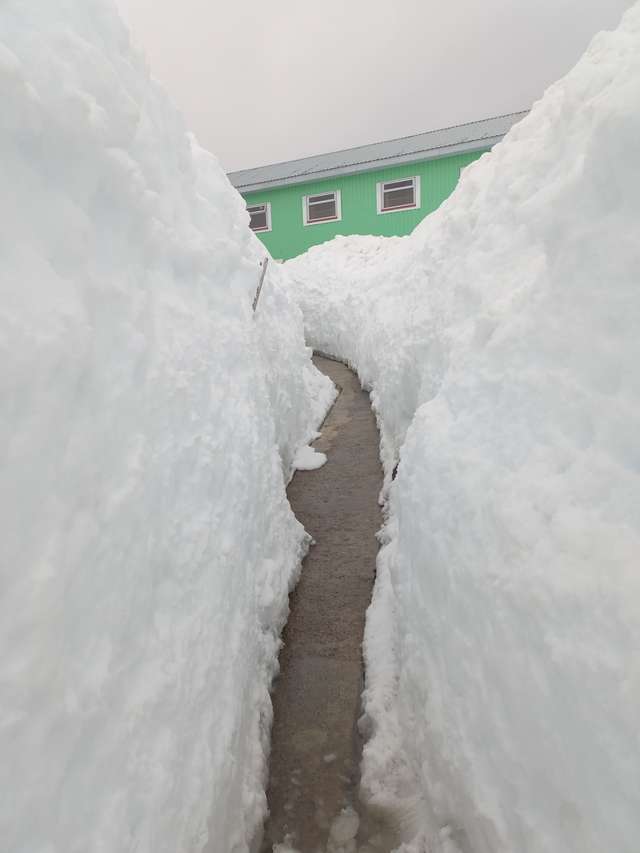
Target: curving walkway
point(316, 748)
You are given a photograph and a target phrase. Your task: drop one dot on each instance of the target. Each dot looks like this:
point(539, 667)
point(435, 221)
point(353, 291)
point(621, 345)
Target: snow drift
point(501, 343)
point(147, 544)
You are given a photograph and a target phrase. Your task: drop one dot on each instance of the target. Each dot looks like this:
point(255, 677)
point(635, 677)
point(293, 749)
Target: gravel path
point(316, 748)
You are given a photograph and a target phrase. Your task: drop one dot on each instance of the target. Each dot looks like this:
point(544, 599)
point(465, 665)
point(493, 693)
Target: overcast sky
point(262, 82)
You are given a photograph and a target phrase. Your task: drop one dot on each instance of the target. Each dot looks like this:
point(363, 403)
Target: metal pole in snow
point(265, 264)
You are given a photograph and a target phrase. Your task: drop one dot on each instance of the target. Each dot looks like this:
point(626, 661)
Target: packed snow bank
point(501, 343)
point(147, 544)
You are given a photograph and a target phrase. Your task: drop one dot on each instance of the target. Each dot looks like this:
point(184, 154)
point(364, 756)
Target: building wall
point(290, 236)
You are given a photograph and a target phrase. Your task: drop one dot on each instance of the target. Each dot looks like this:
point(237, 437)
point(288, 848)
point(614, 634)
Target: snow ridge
point(500, 342)
point(149, 422)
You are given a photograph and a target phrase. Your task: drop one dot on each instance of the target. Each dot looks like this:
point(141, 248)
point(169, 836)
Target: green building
point(383, 189)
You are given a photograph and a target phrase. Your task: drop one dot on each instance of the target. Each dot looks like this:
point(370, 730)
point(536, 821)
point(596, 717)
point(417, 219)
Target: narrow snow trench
point(316, 748)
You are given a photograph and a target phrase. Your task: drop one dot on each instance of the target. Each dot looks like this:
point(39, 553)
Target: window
point(399, 195)
point(321, 208)
point(260, 217)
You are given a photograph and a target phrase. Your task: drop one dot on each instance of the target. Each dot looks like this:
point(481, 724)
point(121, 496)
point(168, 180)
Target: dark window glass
point(258, 220)
point(321, 207)
point(317, 198)
point(397, 185)
point(398, 197)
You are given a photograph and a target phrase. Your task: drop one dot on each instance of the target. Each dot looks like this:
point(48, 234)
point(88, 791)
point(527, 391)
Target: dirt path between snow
point(316, 748)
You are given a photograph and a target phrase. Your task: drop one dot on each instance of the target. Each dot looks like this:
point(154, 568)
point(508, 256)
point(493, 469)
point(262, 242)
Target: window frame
point(267, 206)
point(305, 208)
point(417, 201)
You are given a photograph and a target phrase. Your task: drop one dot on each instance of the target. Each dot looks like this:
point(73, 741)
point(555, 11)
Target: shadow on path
point(316, 749)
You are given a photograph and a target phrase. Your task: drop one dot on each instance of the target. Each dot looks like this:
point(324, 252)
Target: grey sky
point(261, 82)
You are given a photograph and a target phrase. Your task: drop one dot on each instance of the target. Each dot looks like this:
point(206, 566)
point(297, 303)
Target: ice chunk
point(308, 459)
point(344, 827)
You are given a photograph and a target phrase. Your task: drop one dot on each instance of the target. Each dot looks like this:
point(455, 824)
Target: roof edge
point(309, 157)
point(370, 165)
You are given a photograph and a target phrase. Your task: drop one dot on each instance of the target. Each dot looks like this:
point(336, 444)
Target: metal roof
point(409, 149)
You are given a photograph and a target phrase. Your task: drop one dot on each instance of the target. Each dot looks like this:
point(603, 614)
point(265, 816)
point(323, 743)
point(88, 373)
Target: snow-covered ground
point(501, 343)
point(149, 422)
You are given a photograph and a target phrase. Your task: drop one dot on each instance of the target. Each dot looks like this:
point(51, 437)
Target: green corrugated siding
point(290, 237)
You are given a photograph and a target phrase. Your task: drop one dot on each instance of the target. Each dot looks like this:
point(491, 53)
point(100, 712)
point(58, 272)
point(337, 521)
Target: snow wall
point(147, 544)
point(501, 344)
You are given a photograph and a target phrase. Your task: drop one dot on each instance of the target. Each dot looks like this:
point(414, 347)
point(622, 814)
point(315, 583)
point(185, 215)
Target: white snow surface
point(309, 459)
point(501, 344)
point(149, 423)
